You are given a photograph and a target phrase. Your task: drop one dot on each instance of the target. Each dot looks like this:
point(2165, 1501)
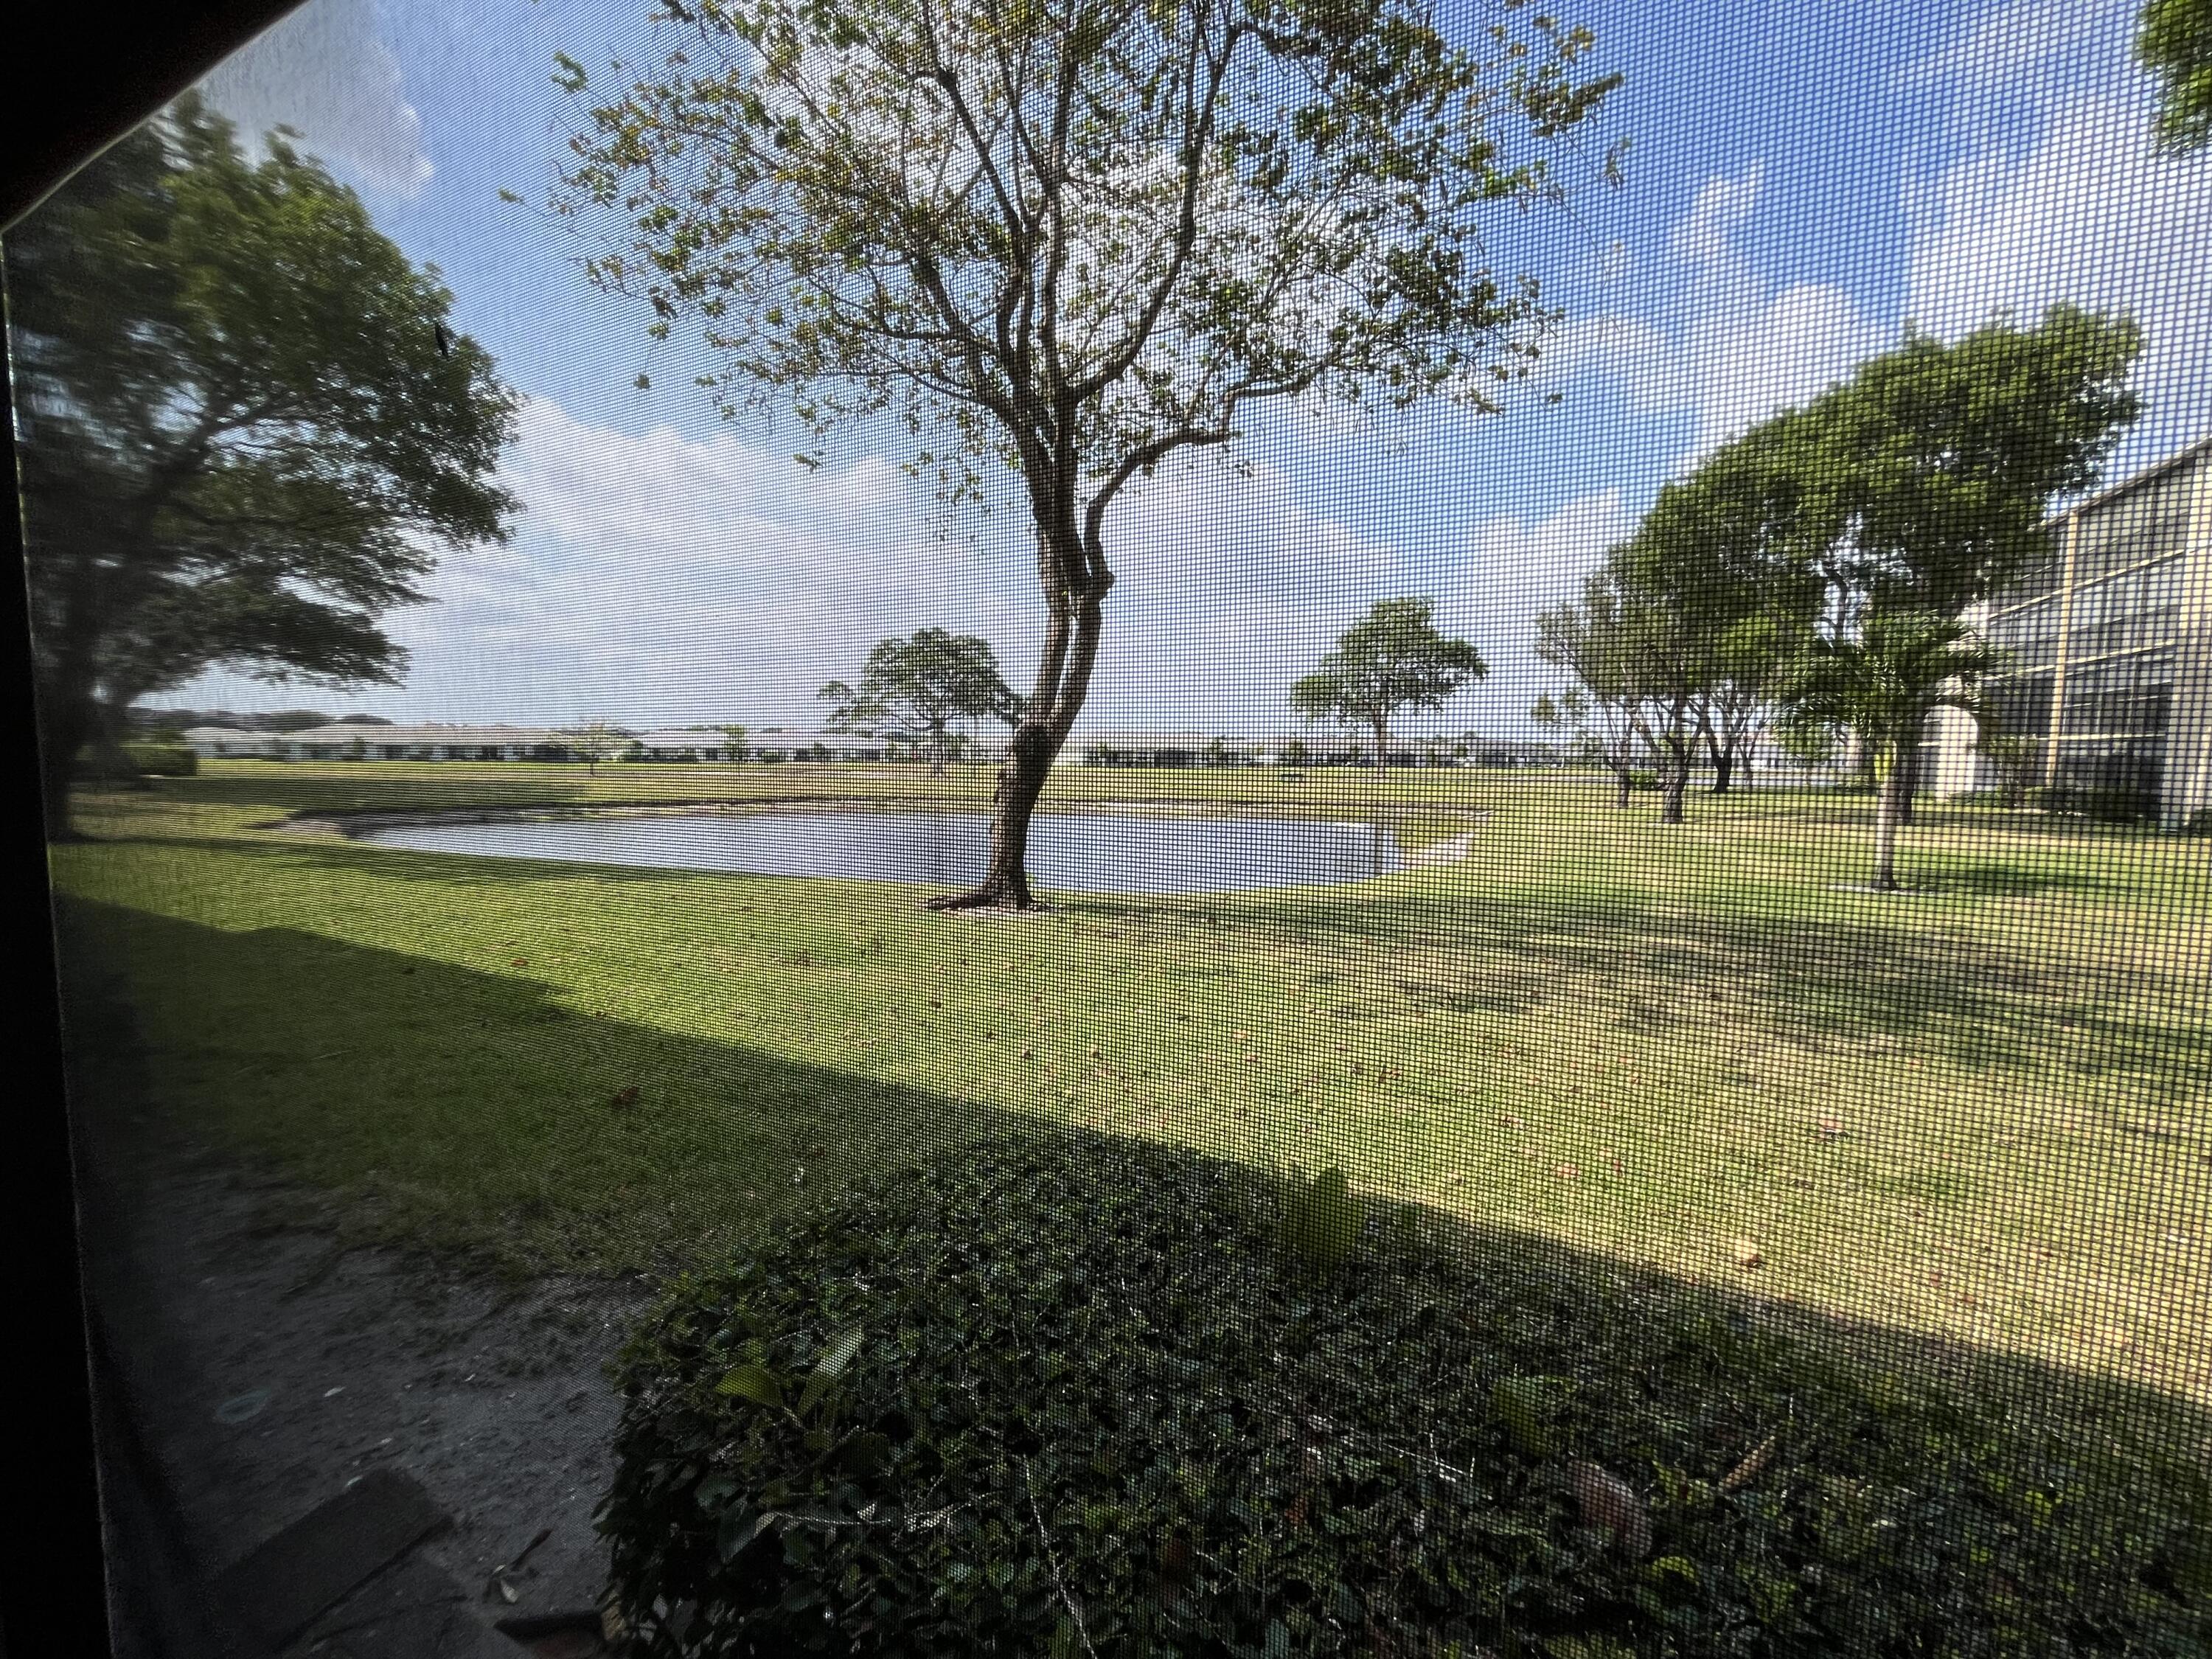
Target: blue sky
point(1801, 178)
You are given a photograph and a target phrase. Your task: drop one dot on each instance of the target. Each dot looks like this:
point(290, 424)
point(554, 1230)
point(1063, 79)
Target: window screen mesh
point(1124, 829)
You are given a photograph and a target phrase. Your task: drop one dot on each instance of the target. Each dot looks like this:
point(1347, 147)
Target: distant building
point(213, 741)
point(410, 743)
point(768, 745)
point(2109, 687)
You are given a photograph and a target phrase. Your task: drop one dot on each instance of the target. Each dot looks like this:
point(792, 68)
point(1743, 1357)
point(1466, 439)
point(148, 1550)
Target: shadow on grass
point(1860, 967)
point(1992, 880)
point(2031, 1002)
point(476, 1112)
point(446, 1106)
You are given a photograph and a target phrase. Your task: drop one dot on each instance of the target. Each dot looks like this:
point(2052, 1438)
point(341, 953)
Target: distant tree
point(292, 719)
point(734, 745)
point(1882, 685)
point(1076, 240)
point(1603, 713)
point(2174, 43)
point(1295, 754)
point(596, 742)
point(1731, 608)
point(247, 428)
point(361, 720)
point(1391, 660)
point(914, 691)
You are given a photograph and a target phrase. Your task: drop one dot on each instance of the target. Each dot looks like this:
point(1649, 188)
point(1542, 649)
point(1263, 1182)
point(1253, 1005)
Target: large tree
point(918, 689)
point(1072, 240)
point(247, 428)
point(1923, 482)
point(1639, 661)
point(1392, 659)
point(1721, 613)
point(2175, 44)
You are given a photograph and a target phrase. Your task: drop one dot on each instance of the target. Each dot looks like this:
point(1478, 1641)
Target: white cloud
point(324, 71)
point(1733, 346)
point(658, 578)
point(2077, 205)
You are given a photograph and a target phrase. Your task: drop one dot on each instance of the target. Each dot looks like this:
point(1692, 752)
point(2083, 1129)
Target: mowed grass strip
point(1973, 1110)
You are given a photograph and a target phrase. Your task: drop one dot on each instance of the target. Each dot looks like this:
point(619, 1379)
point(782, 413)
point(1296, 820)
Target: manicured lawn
point(1972, 1113)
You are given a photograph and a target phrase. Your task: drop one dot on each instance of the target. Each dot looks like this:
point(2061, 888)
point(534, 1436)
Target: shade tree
point(248, 427)
point(1060, 243)
point(2174, 42)
point(1394, 661)
point(917, 691)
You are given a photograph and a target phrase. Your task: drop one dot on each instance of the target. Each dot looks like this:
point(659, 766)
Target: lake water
point(1077, 853)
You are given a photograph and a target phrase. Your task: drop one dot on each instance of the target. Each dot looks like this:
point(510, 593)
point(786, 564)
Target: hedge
point(162, 760)
point(1079, 1397)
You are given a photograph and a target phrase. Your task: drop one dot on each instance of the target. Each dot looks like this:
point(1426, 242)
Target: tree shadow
point(2029, 1002)
point(1995, 880)
point(473, 1112)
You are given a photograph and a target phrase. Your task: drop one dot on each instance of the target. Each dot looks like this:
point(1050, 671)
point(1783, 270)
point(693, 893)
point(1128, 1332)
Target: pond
point(1078, 852)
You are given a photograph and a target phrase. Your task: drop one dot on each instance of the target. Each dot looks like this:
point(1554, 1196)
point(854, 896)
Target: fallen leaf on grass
point(1750, 1469)
point(1745, 1252)
point(624, 1098)
point(1610, 1505)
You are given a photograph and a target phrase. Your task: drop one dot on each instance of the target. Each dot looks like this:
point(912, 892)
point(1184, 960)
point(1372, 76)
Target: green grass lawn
point(1972, 1113)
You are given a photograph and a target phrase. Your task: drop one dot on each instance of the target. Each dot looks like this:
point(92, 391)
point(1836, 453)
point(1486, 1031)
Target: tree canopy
point(2174, 43)
point(249, 426)
point(1923, 480)
point(917, 689)
point(1392, 660)
point(1066, 240)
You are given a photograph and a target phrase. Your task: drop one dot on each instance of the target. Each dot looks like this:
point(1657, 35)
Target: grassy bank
point(1972, 1113)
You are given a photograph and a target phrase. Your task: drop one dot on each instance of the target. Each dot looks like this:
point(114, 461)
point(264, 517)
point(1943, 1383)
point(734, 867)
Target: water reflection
point(1080, 853)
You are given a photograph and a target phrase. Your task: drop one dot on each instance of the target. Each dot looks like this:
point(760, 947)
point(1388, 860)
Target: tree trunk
point(1891, 792)
point(1071, 651)
point(1723, 768)
point(1676, 782)
point(1382, 747)
point(65, 726)
point(1907, 764)
point(111, 722)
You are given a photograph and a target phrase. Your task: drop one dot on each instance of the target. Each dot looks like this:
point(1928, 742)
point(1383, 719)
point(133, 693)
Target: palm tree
point(1883, 685)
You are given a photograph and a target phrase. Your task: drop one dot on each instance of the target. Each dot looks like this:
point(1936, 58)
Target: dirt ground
point(262, 1369)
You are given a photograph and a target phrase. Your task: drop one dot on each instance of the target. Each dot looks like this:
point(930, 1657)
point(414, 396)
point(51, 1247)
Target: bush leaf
point(838, 1355)
point(755, 1382)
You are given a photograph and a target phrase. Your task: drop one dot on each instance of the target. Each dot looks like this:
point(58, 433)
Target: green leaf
point(739, 1526)
point(1528, 1407)
point(754, 1383)
point(838, 1355)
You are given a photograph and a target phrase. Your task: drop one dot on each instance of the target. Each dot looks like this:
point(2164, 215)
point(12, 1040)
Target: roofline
point(2134, 481)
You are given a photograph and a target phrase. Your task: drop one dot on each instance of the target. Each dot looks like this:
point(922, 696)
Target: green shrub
point(1079, 1397)
point(1643, 780)
point(2098, 805)
point(162, 760)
